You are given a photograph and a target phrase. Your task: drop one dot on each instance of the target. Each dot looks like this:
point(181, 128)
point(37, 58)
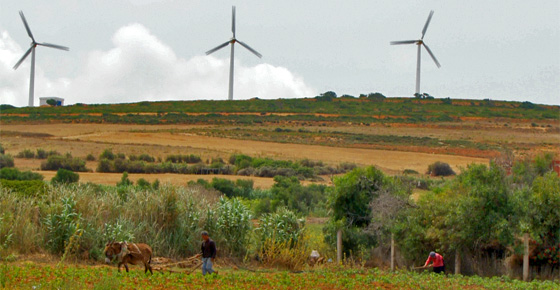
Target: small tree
point(51, 102)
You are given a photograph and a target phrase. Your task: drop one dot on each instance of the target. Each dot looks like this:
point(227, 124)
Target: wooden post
point(392, 252)
point(526, 257)
point(339, 247)
point(457, 262)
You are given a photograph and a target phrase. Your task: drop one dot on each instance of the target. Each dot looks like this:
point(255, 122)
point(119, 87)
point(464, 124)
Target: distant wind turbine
point(232, 42)
point(31, 51)
point(420, 42)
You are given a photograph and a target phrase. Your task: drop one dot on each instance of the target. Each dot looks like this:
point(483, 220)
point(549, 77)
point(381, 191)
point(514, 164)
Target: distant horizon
point(298, 98)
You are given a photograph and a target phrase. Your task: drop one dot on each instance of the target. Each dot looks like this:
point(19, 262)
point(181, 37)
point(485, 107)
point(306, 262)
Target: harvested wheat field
point(387, 160)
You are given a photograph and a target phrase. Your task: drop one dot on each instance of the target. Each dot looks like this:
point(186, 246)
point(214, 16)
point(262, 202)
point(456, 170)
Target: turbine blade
point(432, 55)
point(403, 42)
point(23, 57)
point(26, 25)
point(217, 47)
point(233, 20)
point(427, 23)
point(54, 46)
point(250, 49)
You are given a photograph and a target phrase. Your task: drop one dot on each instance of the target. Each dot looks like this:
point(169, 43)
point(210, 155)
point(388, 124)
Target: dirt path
point(395, 161)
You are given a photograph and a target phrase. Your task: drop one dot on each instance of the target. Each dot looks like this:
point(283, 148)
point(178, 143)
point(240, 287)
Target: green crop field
point(42, 276)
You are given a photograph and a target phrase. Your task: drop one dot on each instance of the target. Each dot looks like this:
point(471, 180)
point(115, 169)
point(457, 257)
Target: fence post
point(457, 262)
point(339, 247)
point(526, 257)
point(392, 252)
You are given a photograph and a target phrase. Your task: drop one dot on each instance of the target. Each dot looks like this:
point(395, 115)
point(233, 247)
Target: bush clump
point(14, 174)
point(65, 176)
point(179, 158)
point(6, 161)
point(440, 169)
point(27, 153)
point(56, 162)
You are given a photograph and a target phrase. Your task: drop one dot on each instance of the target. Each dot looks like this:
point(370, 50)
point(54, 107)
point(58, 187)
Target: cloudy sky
point(136, 50)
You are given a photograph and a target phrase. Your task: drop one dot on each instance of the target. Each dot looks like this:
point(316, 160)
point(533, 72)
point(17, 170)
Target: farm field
point(27, 275)
point(157, 140)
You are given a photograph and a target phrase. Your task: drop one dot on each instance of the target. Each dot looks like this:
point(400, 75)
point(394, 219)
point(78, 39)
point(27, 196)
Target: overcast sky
point(137, 50)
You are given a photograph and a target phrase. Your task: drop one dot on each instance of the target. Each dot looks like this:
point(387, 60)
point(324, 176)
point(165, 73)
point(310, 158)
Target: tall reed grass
point(170, 219)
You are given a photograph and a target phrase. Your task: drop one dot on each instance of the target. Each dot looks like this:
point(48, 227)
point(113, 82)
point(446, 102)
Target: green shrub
point(65, 176)
point(124, 180)
point(43, 154)
point(90, 157)
point(6, 161)
point(56, 162)
point(105, 165)
point(143, 183)
point(27, 153)
point(223, 185)
point(15, 174)
point(410, 171)
point(183, 158)
point(107, 154)
point(142, 157)
point(25, 187)
point(440, 169)
point(2, 151)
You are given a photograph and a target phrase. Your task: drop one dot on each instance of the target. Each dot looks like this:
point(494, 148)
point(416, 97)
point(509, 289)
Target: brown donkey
point(129, 253)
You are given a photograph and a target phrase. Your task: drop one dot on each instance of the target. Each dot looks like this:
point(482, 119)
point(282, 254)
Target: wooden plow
point(185, 266)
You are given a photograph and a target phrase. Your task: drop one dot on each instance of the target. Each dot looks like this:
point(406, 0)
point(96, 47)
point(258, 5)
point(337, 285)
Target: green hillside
point(359, 110)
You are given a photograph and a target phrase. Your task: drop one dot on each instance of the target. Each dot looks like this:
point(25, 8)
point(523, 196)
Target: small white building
point(43, 101)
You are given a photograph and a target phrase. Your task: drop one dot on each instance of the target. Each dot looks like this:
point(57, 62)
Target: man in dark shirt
point(208, 249)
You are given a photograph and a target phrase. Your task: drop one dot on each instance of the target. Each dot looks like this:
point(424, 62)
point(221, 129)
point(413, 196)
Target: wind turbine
point(232, 41)
point(31, 51)
point(420, 42)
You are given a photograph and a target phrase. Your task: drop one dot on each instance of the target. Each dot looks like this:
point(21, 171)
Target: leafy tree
point(51, 102)
point(350, 201)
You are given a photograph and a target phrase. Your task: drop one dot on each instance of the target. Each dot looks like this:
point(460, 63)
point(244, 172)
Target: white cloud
point(140, 67)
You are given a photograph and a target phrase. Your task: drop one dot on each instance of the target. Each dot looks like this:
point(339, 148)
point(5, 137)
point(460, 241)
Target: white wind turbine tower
point(31, 51)
point(232, 42)
point(420, 42)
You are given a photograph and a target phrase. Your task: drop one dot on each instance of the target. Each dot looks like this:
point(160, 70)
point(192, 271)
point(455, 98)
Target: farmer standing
point(208, 254)
point(437, 262)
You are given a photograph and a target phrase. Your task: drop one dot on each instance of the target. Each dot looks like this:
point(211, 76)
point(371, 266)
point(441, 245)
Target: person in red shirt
point(437, 262)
